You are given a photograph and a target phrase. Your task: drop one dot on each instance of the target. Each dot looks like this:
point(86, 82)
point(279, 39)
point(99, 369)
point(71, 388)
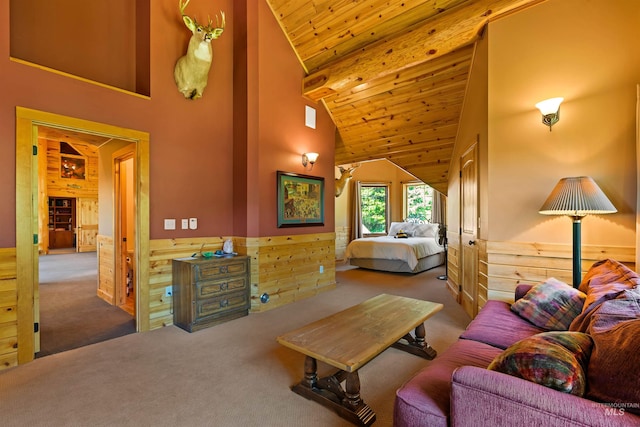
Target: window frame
point(405, 200)
point(387, 187)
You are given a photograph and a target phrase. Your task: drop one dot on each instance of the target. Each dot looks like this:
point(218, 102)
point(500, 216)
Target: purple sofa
point(458, 388)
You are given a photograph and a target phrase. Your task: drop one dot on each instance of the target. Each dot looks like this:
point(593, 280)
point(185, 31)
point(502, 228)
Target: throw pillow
point(613, 367)
point(551, 305)
point(604, 281)
point(556, 360)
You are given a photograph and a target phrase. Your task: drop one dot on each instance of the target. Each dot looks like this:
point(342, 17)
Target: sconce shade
point(550, 109)
point(309, 158)
point(577, 197)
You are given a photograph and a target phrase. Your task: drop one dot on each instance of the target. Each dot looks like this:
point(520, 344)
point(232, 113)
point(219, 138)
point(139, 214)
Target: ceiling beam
point(437, 36)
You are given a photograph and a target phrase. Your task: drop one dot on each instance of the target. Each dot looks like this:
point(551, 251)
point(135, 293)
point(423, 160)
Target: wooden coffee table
point(349, 339)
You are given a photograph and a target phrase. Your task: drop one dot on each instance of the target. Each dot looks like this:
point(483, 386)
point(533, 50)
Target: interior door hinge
point(35, 150)
point(36, 327)
point(35, 239)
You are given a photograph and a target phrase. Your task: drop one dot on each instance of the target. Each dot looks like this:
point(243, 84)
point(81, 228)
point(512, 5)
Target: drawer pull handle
point(224, 269)
point(224, 286)
point(224, 303)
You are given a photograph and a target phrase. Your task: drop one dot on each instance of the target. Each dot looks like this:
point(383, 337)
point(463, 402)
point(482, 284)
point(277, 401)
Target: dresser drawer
point(214, 270)
point(222, 304)
point(213, 288)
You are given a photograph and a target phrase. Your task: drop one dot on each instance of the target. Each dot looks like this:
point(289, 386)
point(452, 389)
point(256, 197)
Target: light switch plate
point(193, 223)
point(185, 224)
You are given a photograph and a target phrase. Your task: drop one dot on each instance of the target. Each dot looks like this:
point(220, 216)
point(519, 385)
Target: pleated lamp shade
point(577, 197)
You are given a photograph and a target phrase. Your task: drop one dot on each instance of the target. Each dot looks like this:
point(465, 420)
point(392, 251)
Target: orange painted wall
point(194, 145)
point(587, 52)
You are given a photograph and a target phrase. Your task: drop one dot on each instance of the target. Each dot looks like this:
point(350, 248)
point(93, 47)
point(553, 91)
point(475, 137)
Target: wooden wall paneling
point(8, 309)
point(483, 282)
point(161, 254)
point(453, 265)
point(66, 187)
point(512, 263)
point(342, 240)
point(106, 274)
point(287, 267)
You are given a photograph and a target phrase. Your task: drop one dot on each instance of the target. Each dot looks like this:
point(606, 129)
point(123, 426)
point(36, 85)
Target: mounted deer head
point(192, 70)
point(345, 176)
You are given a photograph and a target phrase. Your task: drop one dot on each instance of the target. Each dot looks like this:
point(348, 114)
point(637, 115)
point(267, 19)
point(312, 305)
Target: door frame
point(469, 248)
point(27, 122)
point(117, 158)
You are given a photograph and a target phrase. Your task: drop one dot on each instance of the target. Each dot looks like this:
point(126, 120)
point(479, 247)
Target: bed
point(417, 252)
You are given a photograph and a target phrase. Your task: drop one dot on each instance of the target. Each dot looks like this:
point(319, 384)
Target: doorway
point(28, 123)
point(74, 308)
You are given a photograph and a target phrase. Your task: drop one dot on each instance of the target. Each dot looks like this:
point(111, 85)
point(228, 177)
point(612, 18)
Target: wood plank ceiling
point(391, 73)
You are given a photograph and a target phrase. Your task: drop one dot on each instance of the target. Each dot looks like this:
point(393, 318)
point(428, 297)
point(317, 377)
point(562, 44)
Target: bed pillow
point(394, 228)
point(551, 305)
point(425, 230)
point(556, 360)
point(397, 227)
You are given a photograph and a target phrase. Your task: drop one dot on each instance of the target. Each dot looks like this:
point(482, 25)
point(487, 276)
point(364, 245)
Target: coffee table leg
point(417, 345)
point(328, 392)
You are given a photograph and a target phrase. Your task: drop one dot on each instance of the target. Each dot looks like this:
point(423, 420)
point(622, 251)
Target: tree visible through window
point(418, 201)
point(374, 202)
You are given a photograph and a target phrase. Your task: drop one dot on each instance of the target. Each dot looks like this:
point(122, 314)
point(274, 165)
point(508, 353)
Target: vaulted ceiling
point(391, 73)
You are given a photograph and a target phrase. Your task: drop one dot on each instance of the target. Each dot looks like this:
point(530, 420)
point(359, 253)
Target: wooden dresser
point(208, 291)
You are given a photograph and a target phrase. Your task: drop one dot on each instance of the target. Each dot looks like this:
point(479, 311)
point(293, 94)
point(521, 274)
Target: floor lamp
point(442, 241)
point(577, 197)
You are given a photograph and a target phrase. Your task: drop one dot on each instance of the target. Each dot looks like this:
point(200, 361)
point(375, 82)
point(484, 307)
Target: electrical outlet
point(193, 223)
point(185, 224)
point(168, 291)
point(321, 269)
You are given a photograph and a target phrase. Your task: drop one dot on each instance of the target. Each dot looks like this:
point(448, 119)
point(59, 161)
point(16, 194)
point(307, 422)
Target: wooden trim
point(73, 76)
point(27, 121)
point(26, 264)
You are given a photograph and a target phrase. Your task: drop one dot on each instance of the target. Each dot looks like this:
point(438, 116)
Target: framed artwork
point(72, 167)
point(300, 200)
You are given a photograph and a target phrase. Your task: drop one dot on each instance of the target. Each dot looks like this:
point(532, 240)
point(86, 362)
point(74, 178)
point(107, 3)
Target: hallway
point(71, 315)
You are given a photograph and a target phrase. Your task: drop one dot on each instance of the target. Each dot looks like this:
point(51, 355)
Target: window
point(374, 202)
point(418, 201)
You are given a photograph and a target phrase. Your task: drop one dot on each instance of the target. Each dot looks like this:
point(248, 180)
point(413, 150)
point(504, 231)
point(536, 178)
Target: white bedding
point(386, 247)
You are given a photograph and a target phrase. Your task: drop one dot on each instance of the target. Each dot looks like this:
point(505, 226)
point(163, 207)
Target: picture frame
point(300, 200)
point(72, 167)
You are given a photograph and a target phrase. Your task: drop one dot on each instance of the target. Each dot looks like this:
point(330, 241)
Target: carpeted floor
point(233, 374)
point(71, 314)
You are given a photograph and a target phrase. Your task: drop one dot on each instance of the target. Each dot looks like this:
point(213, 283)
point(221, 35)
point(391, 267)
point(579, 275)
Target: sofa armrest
point(483, 397)
point(521, 290)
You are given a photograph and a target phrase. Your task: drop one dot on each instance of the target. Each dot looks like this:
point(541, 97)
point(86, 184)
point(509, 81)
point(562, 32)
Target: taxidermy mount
point(192, 70)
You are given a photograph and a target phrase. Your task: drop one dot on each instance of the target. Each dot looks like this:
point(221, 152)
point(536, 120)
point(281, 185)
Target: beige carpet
point(233, 374)
point(71, 313)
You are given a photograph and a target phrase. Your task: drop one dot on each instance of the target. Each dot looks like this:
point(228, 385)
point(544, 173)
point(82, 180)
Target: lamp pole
point(577, 255)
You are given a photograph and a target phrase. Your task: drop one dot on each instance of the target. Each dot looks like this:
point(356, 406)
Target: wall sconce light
point(309, 158)
point(550, 109)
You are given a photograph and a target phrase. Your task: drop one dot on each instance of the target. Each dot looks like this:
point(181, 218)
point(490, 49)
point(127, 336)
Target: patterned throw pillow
point(551, 305)
point(557, 360)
